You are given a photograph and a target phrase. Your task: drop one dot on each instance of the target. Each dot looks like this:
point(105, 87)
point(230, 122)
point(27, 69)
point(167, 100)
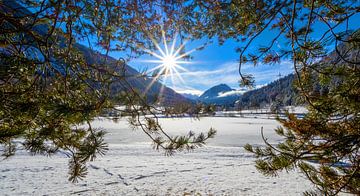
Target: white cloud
point(189, 91)
point(233, 92)
point(260, 86)
point(228, 73)
point(197, 80)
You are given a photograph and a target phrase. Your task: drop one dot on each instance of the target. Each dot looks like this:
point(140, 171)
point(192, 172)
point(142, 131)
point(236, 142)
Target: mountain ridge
point(150, 89)
point(279, 91)
point(221, 95)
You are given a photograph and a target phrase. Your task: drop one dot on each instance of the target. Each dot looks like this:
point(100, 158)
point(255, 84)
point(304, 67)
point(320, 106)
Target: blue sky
point(217, 64)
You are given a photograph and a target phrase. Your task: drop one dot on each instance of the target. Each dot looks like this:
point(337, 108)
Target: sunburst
point(169, 60)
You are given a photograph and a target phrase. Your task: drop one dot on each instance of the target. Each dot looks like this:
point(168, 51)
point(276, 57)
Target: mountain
point(283, 93)
point(149, 89)
point(280, 91)
point(134, 79)
point(215, 91)
point(221, 95)
point(190, 96)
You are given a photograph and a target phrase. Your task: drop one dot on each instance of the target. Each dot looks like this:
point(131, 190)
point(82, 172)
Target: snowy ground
point(131, 167)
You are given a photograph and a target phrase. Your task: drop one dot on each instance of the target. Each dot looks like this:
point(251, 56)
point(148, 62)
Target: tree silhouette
point(51, 87)
point(48, 88)
point(317, 38)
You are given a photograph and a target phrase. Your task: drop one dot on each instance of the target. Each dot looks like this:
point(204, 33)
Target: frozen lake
point(132, 167)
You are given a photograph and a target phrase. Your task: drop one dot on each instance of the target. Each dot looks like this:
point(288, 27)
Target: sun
point(170, 60)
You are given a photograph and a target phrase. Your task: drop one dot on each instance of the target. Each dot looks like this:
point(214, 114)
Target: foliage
point(276, 94)
point(51, 90)
point(328, 82)
point(48, 89)
point(329, 134)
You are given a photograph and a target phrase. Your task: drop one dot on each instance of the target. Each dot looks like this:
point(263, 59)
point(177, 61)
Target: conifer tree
point(316, 37)
point(51, 88)
point(48, 89)
point(324, 49)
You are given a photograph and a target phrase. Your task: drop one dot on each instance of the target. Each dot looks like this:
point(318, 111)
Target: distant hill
point(190, 96)
point(280, 91)
point(214, 91)
point(141, 84)
point(221, 95)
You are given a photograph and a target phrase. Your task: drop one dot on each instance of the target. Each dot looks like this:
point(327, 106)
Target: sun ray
point(154, 54)
point(184, 62)
point(185, 54)
point(157, 67)
point(179, 76)
point(173, 45)
point(162, 87)
point(169, 60)
point(179, 49)
point(154, 80)
point(180, 67)
point(151, 61)
point(165, 44)
point(172, 69)
point(157, 45)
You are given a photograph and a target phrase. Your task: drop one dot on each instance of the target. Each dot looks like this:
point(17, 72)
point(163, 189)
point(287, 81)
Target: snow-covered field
point(132, 167)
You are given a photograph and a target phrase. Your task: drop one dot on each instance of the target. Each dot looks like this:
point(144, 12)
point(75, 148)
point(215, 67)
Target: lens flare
point(170, 61)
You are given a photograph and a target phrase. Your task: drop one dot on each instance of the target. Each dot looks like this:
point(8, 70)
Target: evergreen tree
point(324, 50)
point(329, 134)
point(310, 30)
point(50, 90)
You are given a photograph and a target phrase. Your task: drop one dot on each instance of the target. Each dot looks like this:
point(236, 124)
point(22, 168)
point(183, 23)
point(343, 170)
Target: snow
point(132, 167)
point(189, 91)
point(296, 109)
point(231, 93)
point(264, 113)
